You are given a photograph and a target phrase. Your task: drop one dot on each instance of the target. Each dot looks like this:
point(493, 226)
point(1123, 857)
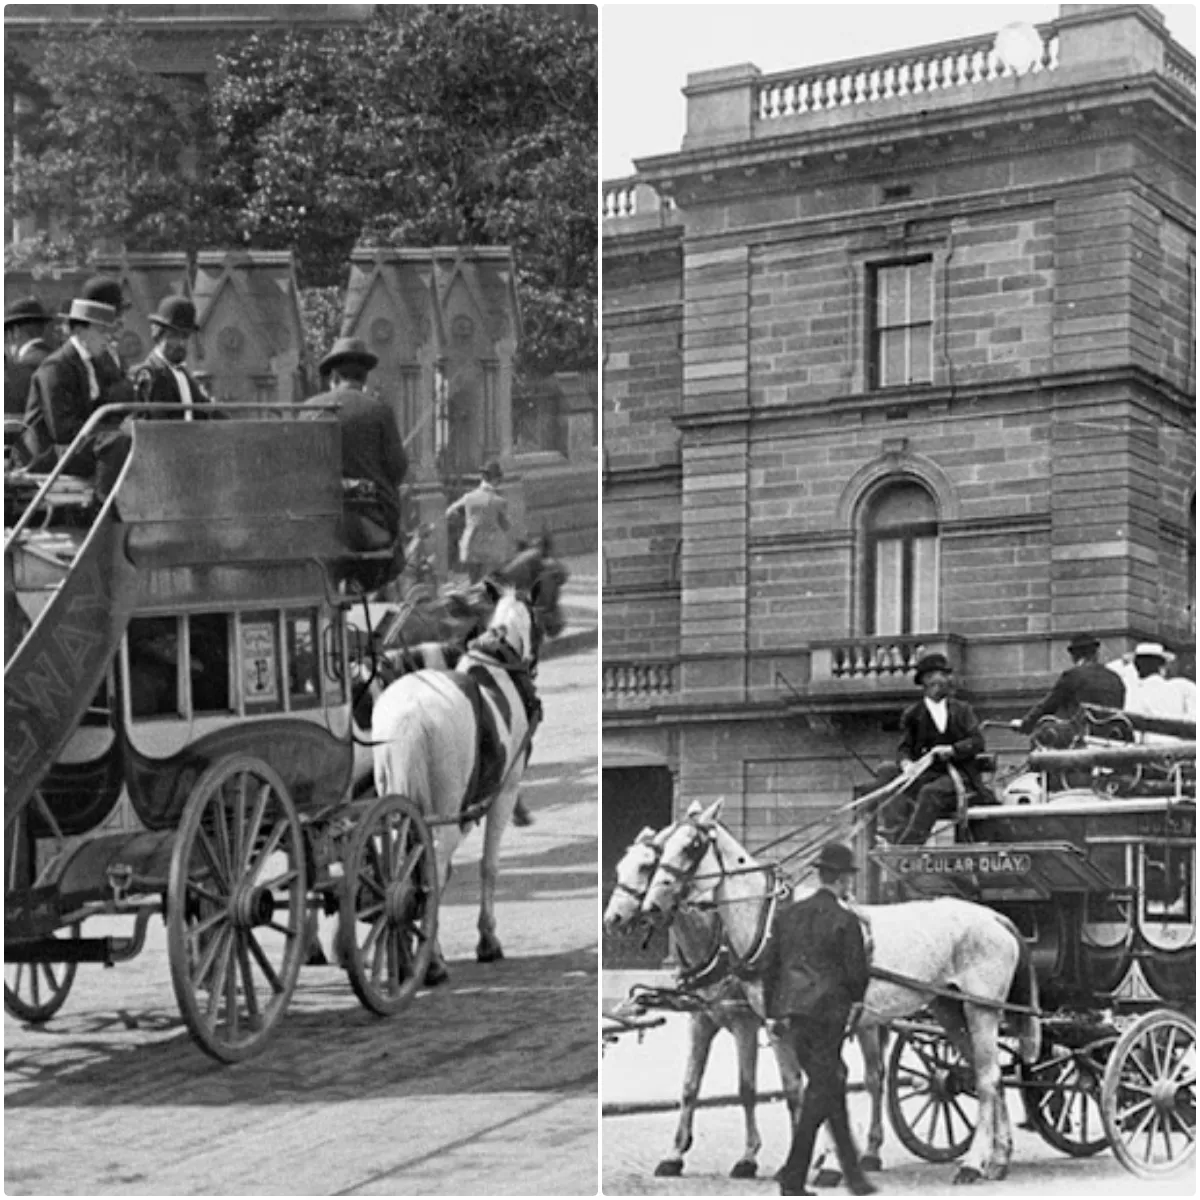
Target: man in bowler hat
point(161, 378)
point(484, 543)
point(373, 458)
point(25, 349)
point(1086, 682)
point(815, 974)
point(949, 728)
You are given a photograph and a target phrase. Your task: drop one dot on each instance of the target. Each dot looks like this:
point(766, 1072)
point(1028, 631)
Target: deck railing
point(918, 72)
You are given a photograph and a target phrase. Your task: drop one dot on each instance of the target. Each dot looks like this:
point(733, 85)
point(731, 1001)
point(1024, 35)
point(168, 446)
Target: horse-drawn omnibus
point(179, 732)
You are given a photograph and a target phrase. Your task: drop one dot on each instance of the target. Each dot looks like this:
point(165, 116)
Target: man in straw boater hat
point(484, 543)
point(949, 728)
point(814, 976)
point(25, 349)
point(66, 389)
point(373, 460)
point(161, 378)
point(1087, 681)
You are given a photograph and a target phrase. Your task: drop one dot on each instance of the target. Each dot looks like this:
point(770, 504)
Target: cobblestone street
point(484, 1086)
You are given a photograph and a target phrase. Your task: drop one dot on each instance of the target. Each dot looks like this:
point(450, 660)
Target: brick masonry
point(1057, 437)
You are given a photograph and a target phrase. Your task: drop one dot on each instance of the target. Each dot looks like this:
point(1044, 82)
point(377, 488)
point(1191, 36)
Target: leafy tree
point(99, 157)
point(432, 125)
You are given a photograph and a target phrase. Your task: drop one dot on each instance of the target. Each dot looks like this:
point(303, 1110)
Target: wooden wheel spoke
point(212, 856)
point(239, 824)
point(220, 812)
point(247, 974)
point(209, 956)
point(1132, 1110)
point(366, 914)
point(401, 835)
point(370, 879)
point(952, 1103)
point(373, 935)
point(221, 959)
point(256, 820)
point(286, 930)
point(194, 889)
point(282, 825)
point(231, 991)
point(264, 963)
point(281, 880)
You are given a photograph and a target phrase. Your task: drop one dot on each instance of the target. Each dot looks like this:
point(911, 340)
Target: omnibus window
point(1167, 883)
point(304, 684)
point(154, 667)
point(208, 646)
point(258, 655)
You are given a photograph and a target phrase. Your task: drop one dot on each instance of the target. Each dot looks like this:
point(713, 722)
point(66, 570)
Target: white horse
point(456, 742)
point(706, 974)
point(733, 1003)
point(944, 943)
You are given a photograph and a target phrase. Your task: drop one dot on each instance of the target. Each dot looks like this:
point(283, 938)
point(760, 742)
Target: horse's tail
point(1024, 991)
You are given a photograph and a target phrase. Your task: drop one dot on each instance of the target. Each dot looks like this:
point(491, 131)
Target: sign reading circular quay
point(990, 862)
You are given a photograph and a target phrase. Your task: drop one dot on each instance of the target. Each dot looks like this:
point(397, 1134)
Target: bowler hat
point(347, 349)
point(836, 857)
point(1082, 642)
point(92, 312)
point(928, 663)
point(491, 471)
point(177, 313)
point(1150, 650)
point(27, 310)
point(104, 289)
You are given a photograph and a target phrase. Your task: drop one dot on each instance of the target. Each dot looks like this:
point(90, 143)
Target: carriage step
point(106, 950)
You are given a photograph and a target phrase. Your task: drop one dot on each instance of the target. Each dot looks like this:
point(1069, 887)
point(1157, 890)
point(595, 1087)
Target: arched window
point(901, 561)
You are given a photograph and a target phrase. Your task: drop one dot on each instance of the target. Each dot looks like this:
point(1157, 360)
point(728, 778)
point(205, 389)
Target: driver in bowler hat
point(815, 974)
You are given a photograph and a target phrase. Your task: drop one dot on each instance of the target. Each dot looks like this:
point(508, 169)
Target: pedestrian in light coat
point(484, 543)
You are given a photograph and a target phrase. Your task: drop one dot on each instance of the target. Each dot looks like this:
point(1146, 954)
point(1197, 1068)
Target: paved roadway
point(484, 1087)
point(653, 1070)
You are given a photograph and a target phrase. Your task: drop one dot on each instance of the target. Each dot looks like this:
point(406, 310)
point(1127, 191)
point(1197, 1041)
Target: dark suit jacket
point(919, 735)
point(371, 447)
point(60, 403)
point(155, 383)
point(816, 961)
point(18, 375)
point(1087, 683)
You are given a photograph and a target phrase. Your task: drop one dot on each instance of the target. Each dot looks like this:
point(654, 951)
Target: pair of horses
point(696, 871)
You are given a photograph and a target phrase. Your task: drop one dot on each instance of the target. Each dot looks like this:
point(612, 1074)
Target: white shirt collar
point(81, 348)
point(939, 712)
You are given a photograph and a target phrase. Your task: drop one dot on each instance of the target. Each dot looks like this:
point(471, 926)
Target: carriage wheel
point(387, 921)
point(927, 1084)
point(236, 930)
point(1149, 1095)
point(34, 992)
point(1063, 1104)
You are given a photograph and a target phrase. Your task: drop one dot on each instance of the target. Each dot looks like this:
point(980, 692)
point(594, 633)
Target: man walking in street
point(484, 543)
point(1086, 682)
point(815, 975)
point(949, 728)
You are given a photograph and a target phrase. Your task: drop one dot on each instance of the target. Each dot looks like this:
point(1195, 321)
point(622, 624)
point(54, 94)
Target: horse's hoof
point(997, 1172)
point(669, 1166)
point(488, 951)
point(967, 1175)
point(827, 1178)
point(744, 1168)
point(871, 1162)
point(436, 974)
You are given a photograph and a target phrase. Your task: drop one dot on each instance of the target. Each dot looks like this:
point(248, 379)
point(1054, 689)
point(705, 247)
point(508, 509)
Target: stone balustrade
point(917, 72)
point(876, 664)
point(638, 681)
point(1180, 65)
point(625, 199)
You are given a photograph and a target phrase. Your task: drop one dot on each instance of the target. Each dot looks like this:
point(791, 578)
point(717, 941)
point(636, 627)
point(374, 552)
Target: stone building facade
point(898, 357)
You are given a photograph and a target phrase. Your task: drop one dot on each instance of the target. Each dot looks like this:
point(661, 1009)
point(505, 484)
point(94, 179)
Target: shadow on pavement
point(525, 1024)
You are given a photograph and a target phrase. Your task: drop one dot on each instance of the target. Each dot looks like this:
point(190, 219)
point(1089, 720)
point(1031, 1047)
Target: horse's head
point(536, 571)
point(514, 630)
point(633, 879)
point(688, 869)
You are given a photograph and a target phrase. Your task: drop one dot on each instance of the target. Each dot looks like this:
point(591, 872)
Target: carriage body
point(179, 719)
point(1093, 859)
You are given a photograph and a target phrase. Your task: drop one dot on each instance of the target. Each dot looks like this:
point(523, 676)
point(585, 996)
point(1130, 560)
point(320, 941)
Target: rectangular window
point(905, 589)
point(902, 324)
point(208, 658)
point(304, 682)
point(153, 649)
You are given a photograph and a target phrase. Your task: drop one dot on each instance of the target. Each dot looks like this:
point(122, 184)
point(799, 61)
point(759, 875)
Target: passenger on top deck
point(373, 460)
point(25, 349)
point(1086, 682)
point(162, 378)
point(1153, 695)
point(949, 727)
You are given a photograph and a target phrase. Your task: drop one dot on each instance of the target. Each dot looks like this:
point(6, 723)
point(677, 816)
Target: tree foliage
point(427, 125)
point(96, 157)
point(432, 125)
